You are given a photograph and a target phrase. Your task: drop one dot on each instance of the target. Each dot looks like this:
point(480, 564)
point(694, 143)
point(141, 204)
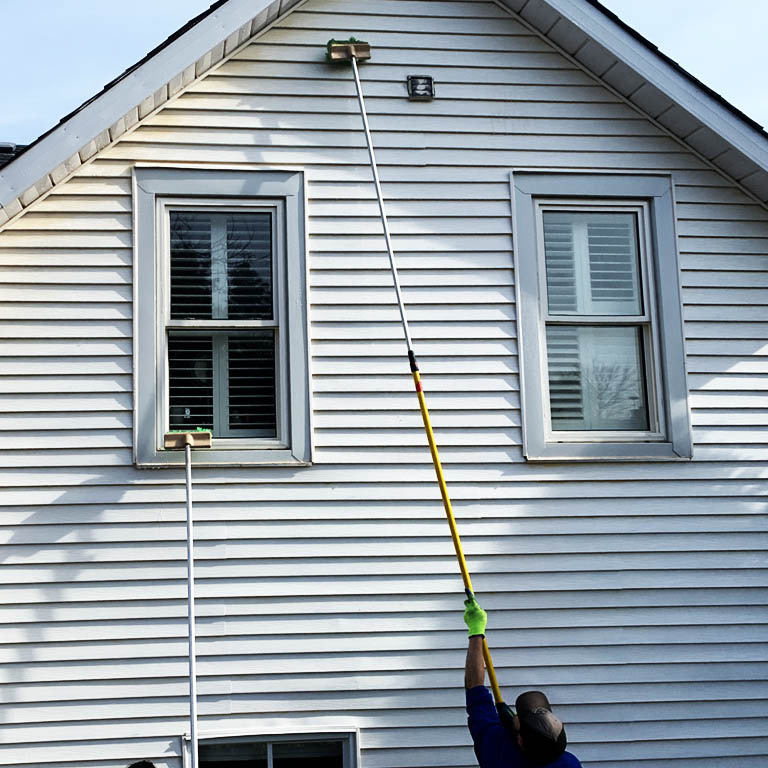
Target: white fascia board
point(657, 72)
point(100, 114)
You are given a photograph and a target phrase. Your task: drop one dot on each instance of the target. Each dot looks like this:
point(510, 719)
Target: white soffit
point(107, 108)
point(666, 91)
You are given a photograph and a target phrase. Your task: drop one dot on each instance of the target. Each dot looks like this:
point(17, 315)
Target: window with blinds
point(598, 330)
point(222, 325)
point(599, 317)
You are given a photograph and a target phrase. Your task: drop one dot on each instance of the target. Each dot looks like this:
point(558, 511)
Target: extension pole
point(200, 438)
point(417, 381)
point(191, 612)
point(382, 212)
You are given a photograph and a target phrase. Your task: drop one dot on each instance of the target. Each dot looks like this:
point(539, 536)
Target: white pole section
point(191, 613)
point(380, 197)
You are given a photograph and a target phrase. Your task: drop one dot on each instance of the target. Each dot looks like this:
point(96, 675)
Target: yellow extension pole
point(351, 52)
point(451, 519)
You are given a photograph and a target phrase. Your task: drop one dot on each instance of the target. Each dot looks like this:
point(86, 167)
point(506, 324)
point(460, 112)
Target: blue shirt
point(495, 746)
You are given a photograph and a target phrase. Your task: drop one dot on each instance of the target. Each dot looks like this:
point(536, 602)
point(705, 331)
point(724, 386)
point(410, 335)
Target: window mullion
point(221, 324)
point(598, 320)
point(219, 299)
point(581, 268)
point(588, 393)
point(221, 384)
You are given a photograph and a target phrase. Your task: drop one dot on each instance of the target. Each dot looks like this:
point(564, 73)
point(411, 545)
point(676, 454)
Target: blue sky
point(55, 54)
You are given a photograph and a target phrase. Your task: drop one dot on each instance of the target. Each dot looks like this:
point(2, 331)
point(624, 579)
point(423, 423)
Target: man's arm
point(474, 671)
point(475, 619)
point(490, 738)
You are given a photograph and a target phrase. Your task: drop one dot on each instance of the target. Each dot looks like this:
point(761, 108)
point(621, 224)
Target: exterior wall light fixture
point(421, 88)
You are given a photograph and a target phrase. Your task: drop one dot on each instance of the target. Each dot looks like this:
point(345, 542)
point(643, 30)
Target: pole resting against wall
point(187, 441)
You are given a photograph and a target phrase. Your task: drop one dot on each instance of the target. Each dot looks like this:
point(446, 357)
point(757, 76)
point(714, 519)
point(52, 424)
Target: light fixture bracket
point(421, 87)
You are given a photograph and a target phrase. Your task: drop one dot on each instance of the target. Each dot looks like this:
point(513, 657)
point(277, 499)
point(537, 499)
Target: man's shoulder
point(567, 760)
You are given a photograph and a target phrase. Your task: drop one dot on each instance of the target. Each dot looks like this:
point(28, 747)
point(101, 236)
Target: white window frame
point(158, 192)
point(648, 319)
point(349, 736)
point(649, 197)
point(276, 210)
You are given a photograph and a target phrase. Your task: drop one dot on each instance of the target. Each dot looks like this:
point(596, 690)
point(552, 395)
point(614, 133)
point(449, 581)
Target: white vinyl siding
point(633, 594)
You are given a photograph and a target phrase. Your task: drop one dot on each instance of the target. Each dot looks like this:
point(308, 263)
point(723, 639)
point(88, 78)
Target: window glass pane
point(597, 378)
point(221, 266)
point(190, 381)
point(223, 381)
point(252, 383)
point(249, 266)
point(233, 755)
point(190, 265)
point(318, 754)
point(592, 263)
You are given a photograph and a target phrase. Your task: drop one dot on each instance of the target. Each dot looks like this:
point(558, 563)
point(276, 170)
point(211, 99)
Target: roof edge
point(700, 84)
point(606, 29)
point(101, 119)
point(213, 35)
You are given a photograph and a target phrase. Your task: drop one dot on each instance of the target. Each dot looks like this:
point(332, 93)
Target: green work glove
point(474, 617)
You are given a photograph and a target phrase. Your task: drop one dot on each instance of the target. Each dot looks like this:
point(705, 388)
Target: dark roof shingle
point(8, 151)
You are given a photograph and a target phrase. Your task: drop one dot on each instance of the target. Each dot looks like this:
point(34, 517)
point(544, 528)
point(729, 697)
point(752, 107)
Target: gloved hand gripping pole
point(353, 52)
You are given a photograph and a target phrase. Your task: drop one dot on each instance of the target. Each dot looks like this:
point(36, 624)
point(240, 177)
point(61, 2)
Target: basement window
point(221, 315)
point(327, 750)
point(603, 373)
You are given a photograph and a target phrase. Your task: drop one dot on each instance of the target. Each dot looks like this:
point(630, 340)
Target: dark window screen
point(319, 754)
point(190, 381)
point(221, 266)
point(298, 754)
point(252, 382)
point(222, 379)
point(233, 755)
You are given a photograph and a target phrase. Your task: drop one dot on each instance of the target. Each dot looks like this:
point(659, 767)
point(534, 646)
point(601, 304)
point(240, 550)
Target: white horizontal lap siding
point(65, 380)
point(723, 252)
point(633, 594)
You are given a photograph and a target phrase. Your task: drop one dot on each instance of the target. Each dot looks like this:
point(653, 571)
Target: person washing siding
point(537, 737)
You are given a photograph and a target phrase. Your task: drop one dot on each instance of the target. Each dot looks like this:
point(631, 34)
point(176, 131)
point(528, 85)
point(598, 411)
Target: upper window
point(599, 313)
point(221, 315)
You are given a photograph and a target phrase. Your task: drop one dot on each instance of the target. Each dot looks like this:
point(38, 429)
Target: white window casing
point(208, 198)
point(602, 358)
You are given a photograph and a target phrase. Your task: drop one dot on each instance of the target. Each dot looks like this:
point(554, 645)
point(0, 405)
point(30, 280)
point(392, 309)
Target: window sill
point(223, 457)
point(656, 451)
